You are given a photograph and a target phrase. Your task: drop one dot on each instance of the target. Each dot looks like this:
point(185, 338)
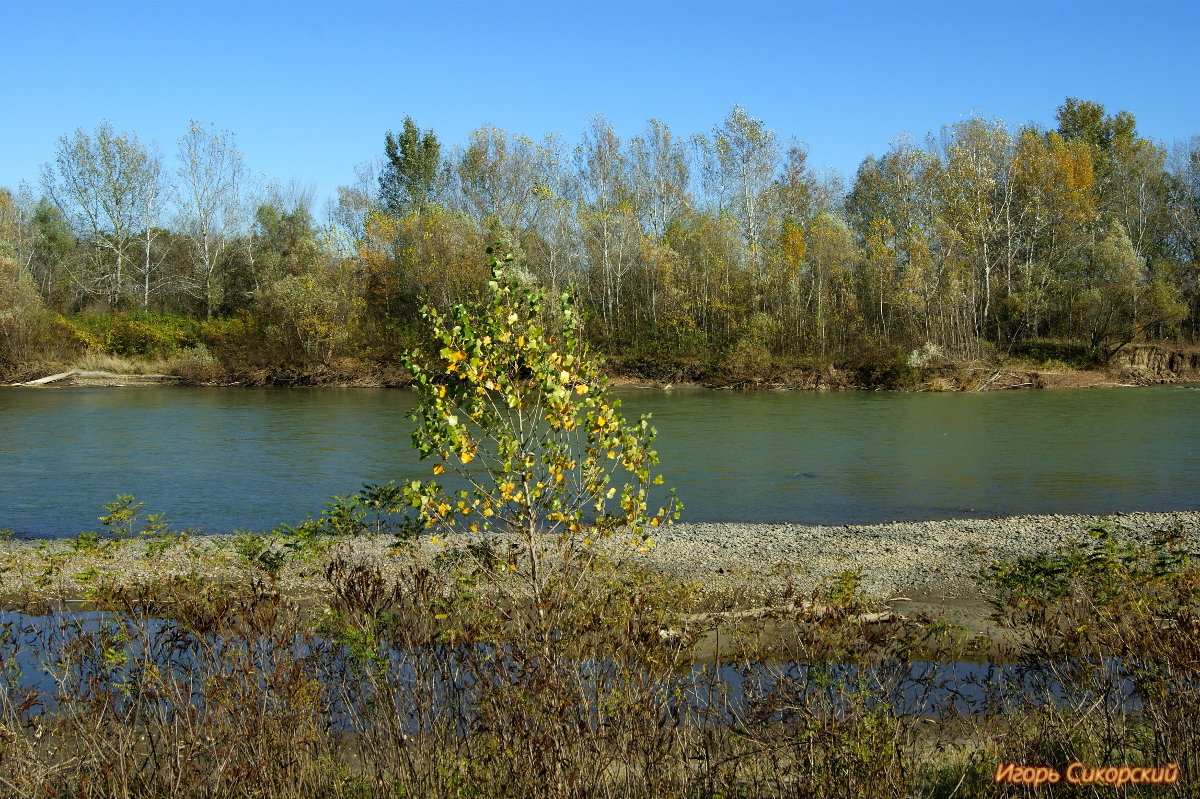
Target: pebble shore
point(934, 557)
point(942, 556)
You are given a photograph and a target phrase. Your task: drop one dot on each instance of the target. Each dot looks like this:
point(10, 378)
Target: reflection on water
point(72, 657)
point(221, 459)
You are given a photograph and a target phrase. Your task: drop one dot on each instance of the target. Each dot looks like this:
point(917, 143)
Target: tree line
point(687, 252)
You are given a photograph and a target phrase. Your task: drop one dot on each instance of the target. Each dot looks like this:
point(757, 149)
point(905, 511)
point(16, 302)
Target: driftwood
point(41, 381)
point(989, 382)
point(812, 611)
point(100, 378)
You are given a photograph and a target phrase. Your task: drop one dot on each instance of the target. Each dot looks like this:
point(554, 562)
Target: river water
point(225, 458)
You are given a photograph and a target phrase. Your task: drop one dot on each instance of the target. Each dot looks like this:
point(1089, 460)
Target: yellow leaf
point(438, 469)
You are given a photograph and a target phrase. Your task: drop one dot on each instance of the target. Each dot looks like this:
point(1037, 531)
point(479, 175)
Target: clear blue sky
point(310, 87)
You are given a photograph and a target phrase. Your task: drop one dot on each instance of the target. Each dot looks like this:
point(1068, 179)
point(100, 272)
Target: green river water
point(226, 458)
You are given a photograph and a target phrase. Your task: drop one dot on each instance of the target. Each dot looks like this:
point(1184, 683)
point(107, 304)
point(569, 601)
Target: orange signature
point(1079, 774)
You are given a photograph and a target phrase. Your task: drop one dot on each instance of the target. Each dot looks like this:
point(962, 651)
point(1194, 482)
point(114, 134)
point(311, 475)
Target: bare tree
point(106, 184)
point(211, 178)
point(148, 215)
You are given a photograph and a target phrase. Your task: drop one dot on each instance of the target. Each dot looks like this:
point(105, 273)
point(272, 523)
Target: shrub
point(22, 315)
point(128, 338)
point(753, 350)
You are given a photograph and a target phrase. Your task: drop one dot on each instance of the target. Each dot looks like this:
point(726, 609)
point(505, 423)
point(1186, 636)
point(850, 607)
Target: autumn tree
point(608, 222)
point(209, 188)
point(742, 157)
point(21, 310)
point(1185, 223)
point(512, 402)
point(108, 184)
point(498, 181)
point(1115, 297)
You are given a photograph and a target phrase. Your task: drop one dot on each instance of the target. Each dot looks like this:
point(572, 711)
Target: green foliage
point(131, 338)
point(844, 588)
point(75, 337)
point(260, 552)
point(369, 512)
point(134, 335)
point(124, 520)
point(1115, 573)
point(412, 170)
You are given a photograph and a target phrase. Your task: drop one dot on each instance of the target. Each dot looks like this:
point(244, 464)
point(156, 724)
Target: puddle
point(88, 657)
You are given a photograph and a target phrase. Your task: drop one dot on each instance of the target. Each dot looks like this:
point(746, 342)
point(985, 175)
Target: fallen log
point(41, 381)
point(813, 612)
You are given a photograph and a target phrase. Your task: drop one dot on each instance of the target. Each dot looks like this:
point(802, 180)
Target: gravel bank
point(939, 557)
point(900, 556)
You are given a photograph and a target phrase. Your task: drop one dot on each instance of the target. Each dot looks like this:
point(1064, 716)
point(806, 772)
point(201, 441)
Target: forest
point(719, 253)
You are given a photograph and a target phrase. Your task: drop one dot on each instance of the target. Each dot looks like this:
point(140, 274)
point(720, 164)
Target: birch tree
point(611, 235)
point(742, 159)
point(105, 183)
point(211, 176)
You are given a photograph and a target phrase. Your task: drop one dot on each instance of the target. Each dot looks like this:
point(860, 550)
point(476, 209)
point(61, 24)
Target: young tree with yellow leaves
point(513, 403)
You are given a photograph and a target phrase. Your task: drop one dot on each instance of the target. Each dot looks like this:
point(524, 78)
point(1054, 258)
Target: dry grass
point(439, 677)
point(96, 361)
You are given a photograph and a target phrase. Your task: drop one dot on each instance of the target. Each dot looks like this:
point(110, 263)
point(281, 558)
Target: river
point(219, 459)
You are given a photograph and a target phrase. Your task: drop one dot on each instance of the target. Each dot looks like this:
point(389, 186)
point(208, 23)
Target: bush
point(22, 316)
point(883, 369)
point(136, 335)
point(1109, 633)
point(75, 339)
point(753, 350)
point(129, 338)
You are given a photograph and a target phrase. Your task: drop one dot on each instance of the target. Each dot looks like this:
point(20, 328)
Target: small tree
point(513, 403)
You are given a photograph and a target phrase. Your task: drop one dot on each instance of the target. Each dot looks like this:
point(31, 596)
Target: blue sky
point(310, 87)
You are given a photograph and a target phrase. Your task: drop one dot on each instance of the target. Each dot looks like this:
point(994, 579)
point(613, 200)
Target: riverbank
point(1139, 365)
point(980, 379)
point(925, 569)
point(286, 667)
point(914, 567)
point(942, 556)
